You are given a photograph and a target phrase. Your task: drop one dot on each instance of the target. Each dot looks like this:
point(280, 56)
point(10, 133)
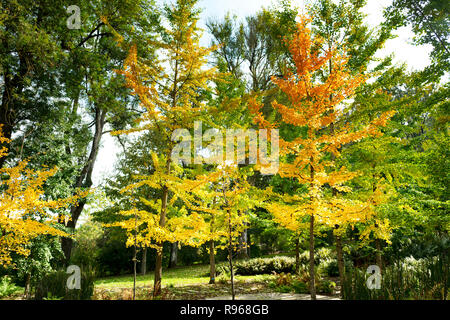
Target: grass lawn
point(189, 282)
point(175, 276)
point(180, 276)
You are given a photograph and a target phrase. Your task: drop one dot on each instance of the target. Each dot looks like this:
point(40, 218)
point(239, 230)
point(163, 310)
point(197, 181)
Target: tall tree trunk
point(135, 257)
point(159, 251)
point(13, 86)
point(158, 272)
point(27, 293)
point(242, 253)
point(378, 254)
point(173, 255)
point(312, 280)
point(84, 180)
point(212, 263)
point(297, 254)
point(249, 253)
point(340, 260)
point(144, 261)
point(230, 256)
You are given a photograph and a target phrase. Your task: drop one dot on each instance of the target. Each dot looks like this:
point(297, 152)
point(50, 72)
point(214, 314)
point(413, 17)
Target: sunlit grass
point(179, 276)
point(176, 276)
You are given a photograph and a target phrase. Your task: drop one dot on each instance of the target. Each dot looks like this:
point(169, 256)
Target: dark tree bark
point(173, 255)
point(13, 86)
point(297, 255)
point(84, 180)
point(159, 251)
point(144, 262)
point(27, 292)
point(243, 242)
point(378, 254)
point(230, 256)
point(340, 260)
point(312, 281)
point(212, 263)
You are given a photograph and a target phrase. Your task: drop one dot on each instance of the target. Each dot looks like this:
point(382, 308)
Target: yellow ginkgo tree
point(169, 88)
point(225, 199)
point(311, 158)
point(21, 200)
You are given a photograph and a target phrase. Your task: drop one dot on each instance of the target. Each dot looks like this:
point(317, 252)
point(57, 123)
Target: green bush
point(300, 287)
point(53, 286)
point(332, 269)
point(326, 287)
point(408, 279)
point(262, 266)
point(7, 288)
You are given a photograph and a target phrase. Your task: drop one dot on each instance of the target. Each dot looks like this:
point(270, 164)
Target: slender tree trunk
point(378, 254)
point(230, 260)
point(144, 261)
point(13, 85)
point(212, 263)
point(297, 254)
point(173, 255)
point(134, 273)
point(249, 253)
point(84, 180)
point(340, 260)
point(312, 281)
point(159, 251)
point(230, 254)
point(27, 292)
point(158, 272)
point(243, 254)
point(135, 256)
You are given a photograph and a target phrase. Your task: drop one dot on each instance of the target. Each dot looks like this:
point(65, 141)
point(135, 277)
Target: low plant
point(7, 287)
point(54, 284)
point(326, 287)
point(280, 264)
point(422, 279)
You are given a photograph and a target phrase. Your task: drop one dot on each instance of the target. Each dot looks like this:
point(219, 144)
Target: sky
point(416, 57)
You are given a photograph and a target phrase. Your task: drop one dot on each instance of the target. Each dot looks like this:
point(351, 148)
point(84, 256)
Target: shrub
point(223, 278)
point(407, 279)
point(261, 266)
point(300, 287)
point(326, 287)
point(53, 285)
point(285, 282)
point(332, 269)
point(7, 288)
point(86, 251)
point(283, 279)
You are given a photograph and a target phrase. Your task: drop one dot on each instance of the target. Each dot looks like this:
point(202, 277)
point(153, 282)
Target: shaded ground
point(197, 291)
point(275, 296)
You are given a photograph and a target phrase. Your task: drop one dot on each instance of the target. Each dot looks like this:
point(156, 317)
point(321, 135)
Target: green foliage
point(261, 266)
point(53, 286)
point(286, 282)
point(114, 257)
point(7, 287)
point(429, 20)
point(326, 287)
point(408, 279)
point(45, 256)
point(86, 249)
